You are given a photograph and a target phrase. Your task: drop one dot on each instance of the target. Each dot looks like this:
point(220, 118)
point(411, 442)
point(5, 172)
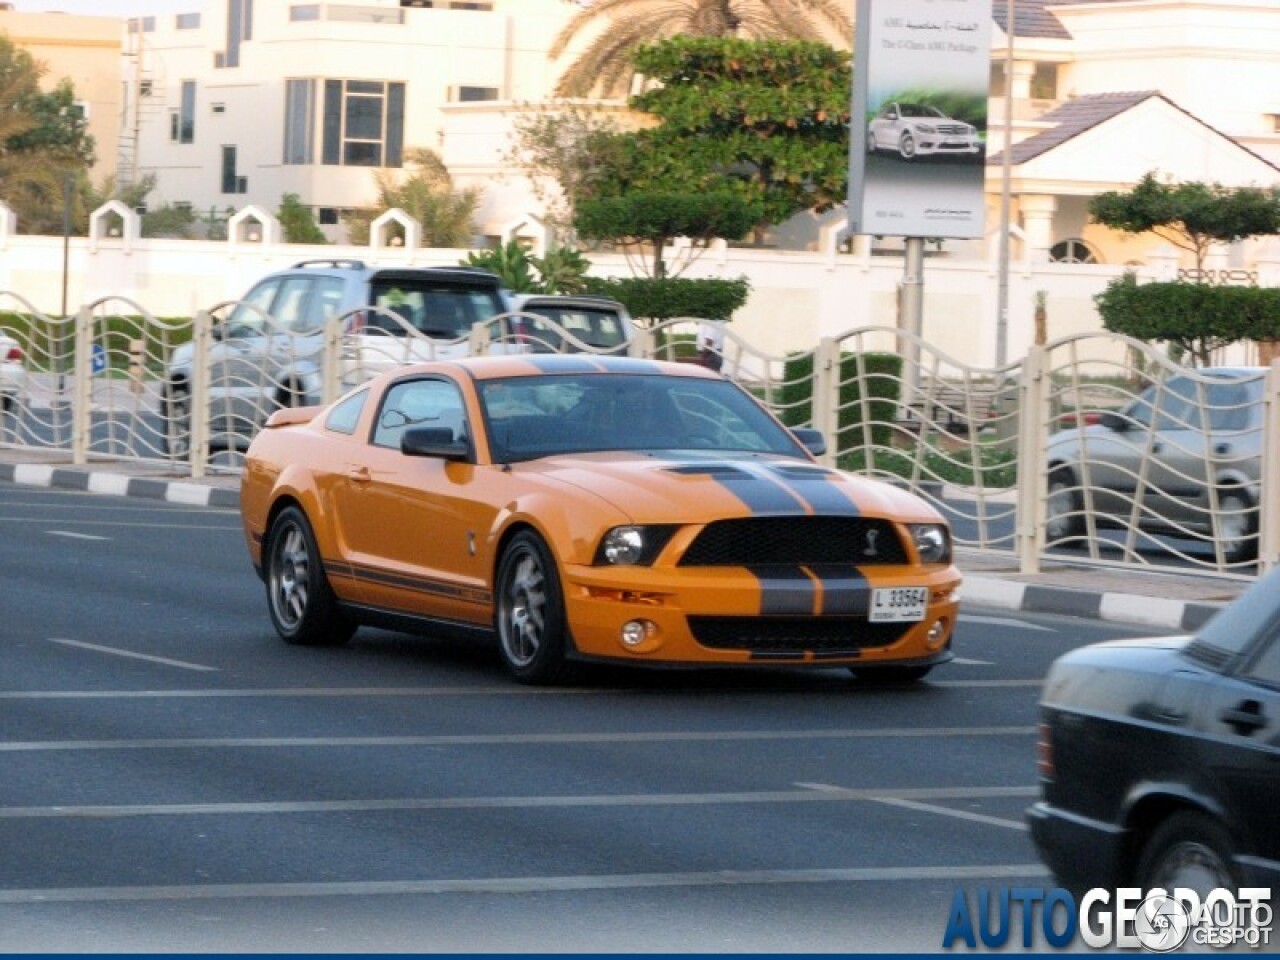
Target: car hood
point(690, 487)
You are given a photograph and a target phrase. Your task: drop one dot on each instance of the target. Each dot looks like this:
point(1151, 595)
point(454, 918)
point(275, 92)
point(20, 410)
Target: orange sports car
point(590, 508)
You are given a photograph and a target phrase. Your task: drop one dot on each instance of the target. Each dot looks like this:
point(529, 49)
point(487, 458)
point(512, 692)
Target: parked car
point(621, 510)
point(572, 323)
point(1160, 758)
point(13, 372)
point(917, 130)
point(269, 351)
point(1183, 458)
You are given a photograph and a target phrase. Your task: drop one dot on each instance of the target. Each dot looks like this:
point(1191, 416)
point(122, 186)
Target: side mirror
point(811, 439)
point(433, 442)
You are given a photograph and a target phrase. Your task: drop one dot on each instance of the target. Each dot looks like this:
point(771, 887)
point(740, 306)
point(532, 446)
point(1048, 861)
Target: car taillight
point(1044, 753)
point(14, 355)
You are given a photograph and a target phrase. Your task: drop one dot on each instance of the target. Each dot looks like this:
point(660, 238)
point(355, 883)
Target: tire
point(303, 608)
point(1189, 849)
point(907, 146)
point(175, 409)
point(890, 674)
point(871, 144)
point(529, 616)
point(1237, 527)
point(1062, 509)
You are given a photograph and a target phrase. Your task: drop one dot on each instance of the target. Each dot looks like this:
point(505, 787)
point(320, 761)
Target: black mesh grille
point(795, 635)
point(795, 540)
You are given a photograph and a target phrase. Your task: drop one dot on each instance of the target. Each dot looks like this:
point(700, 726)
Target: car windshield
point(541, 416)
point(601, 328)
point(918, 110)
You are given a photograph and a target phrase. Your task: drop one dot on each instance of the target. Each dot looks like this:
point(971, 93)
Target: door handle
point(1245, 718)
point(359, 474)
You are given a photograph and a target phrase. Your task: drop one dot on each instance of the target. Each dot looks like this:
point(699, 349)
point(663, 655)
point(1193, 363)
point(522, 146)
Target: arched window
point(1072, 251)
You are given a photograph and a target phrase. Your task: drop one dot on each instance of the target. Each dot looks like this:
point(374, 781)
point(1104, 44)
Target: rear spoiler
point(292, 416)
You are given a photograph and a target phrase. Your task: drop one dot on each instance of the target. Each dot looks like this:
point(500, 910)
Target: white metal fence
point(1060, 453)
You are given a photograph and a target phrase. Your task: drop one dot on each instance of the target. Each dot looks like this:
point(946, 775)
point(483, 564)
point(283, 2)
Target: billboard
point(917, 146)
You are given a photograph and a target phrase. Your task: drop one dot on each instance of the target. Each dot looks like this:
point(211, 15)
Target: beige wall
point(85, 50)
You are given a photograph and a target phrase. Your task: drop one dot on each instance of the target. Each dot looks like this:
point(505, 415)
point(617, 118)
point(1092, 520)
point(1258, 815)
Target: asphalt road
point(177, 779)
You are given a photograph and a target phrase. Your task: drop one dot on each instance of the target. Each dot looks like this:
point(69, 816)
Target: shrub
point(882, 383)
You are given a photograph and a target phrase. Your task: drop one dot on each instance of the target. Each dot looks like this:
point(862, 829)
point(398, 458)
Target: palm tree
point(617, 27)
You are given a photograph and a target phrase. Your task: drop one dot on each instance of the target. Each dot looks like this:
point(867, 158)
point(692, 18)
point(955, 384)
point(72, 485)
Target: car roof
point(532, 365)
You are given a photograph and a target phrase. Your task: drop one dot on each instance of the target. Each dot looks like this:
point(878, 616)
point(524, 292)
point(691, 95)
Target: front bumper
point(734, 616)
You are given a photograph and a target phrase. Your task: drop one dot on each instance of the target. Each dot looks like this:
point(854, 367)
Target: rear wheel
point(1190, 850)
point(1237, 527)
point(529, 611)
point(303, 608)
point(1062, 512)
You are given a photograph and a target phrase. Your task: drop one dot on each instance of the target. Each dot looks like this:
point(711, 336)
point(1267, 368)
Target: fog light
point(636, 632)
point(937, 634)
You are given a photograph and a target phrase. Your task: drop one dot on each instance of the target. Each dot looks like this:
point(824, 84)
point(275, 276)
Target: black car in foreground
point(1160, 758)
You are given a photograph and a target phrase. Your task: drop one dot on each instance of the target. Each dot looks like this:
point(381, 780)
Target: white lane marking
point(968, 662)
point(115, 651)
point(948, 812)
point(1004, 622)
point(502, 739)
point(71, 534)
point(518, 885)
point(807, 793)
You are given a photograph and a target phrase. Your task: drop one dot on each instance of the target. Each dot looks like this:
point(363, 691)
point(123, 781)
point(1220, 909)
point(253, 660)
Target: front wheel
point(1063, 520)
point(303, 608)
point(907, 147)
point(175, 409)
point(529, 612)
point(1189, 850)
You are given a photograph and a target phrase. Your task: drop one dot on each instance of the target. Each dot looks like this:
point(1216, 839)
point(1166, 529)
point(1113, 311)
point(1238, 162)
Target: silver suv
point(1183, 460)
point(268, 351)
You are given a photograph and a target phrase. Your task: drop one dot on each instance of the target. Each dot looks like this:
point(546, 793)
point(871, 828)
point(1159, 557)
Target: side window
point(1179, 406)
point(419, 403)
point(325, 302)
point(1265, 668)
point(245, 321)
point(289, 309)
point(345, 415)
point(1231, 406)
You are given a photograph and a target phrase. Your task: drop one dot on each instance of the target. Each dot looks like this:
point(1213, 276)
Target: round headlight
point(624, 545)
point(932, 543)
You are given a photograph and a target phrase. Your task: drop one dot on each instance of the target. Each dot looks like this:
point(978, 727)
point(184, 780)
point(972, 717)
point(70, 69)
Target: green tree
point(425, 191)
point(43, 141)
point(614, 29)
point(767, 120)
point(650, 220)
point(298, 222)
point(559, 147)
point(1191, 216)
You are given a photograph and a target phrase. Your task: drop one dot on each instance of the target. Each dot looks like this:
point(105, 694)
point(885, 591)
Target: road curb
point(121, 485)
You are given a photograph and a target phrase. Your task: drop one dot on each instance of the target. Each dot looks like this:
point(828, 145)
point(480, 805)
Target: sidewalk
point(1178, 602)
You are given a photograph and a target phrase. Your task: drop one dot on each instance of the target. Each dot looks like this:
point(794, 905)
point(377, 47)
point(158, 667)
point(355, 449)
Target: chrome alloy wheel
point(522, 613)
point(290, 577)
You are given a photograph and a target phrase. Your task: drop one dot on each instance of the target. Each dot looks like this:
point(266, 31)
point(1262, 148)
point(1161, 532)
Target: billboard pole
point(912, 312)
point(1006, 169)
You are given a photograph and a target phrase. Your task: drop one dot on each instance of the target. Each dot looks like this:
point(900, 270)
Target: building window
point(239, 29)
point(182, 122)
point(232, 182)
point(299, 121)
point(363, 123)
point(304, 11)
point(142, 25)
point(465, 94)
point(187, 21)
point(470, 6)
point(1072, 251)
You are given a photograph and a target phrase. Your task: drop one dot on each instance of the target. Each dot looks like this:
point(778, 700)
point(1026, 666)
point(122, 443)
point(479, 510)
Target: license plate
point(898, 604)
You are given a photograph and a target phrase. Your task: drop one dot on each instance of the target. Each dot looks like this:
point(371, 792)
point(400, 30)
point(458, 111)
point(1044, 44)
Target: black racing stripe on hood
point(816, 486)
point(845, 589)
point(785, 590)
point(760, 494)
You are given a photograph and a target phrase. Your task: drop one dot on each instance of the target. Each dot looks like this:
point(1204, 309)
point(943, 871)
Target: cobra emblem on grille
point(870, 549)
